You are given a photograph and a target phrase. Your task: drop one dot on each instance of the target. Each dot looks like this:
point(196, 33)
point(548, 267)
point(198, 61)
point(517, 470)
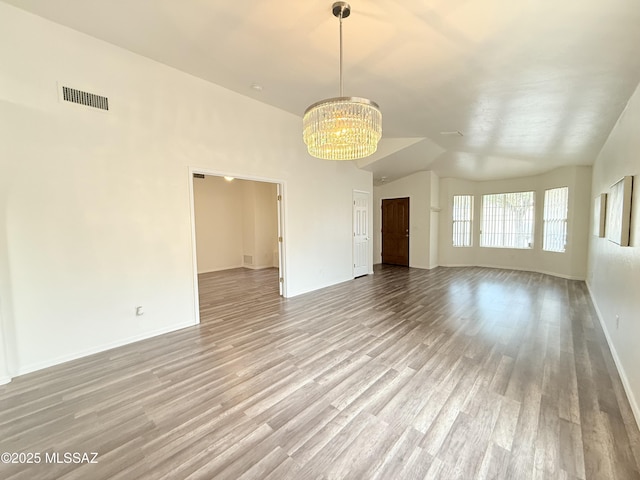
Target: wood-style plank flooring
point(460, 373)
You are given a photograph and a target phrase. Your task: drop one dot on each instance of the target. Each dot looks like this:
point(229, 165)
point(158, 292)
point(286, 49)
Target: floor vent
point(85, 98)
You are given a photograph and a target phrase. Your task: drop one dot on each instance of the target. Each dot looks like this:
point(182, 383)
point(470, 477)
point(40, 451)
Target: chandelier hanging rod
point(341, 10)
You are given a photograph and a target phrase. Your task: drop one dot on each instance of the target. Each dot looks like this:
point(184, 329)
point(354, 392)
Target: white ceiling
point(531, 84)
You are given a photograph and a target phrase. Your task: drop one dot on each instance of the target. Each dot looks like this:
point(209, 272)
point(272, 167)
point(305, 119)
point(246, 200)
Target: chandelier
point(342, 128)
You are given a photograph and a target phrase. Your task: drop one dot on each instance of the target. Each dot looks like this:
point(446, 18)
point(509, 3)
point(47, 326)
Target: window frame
point(532, 221)
point(468, 231)
point(547, 221)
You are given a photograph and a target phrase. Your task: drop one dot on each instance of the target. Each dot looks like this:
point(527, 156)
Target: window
point(507, 220)
point(462, 215)
point(556, 206)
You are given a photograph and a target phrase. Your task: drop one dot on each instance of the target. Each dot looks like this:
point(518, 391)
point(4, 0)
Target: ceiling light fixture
point(342, 128)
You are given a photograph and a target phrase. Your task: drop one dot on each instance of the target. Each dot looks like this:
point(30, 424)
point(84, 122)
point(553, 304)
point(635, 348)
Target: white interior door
point(361, 234)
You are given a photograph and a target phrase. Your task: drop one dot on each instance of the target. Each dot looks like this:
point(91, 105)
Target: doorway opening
point(395, 231)
point(238, 236)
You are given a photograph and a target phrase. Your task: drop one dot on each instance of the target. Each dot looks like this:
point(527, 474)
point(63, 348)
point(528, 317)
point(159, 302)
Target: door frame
point(370, 225)
point(282, 214)
point(395, 197)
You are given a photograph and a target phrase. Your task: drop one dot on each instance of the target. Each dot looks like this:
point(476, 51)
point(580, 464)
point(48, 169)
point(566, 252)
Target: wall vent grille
point(248, 259)
point(198, 175)
point(85, 98)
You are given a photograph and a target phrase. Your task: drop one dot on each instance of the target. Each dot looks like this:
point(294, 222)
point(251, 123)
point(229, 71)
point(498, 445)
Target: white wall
point(248, 221)
point(614, 271)
point(570, 264)
point(5, 376)
point(265, 224)
point(434, 231)
point(260, 220)
point(6, 315)
point(218, 206)
point(419, 187)
point(97, 207)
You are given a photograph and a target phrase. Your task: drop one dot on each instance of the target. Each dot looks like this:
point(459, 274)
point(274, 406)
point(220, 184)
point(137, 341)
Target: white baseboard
point(616, 359)
point(252, 267)
point(258, 267)
point(100, 348)
point(420, 267)
point(544, 272)
point(424, 267)
point(220, 269)
point(458, 265)
point(5, 380)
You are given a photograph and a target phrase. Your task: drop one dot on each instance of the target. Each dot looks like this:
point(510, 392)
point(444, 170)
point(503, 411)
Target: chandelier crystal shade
point(342, 128)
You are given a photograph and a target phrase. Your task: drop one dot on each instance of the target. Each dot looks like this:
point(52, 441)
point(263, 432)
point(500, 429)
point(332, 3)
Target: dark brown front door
point(395, 231)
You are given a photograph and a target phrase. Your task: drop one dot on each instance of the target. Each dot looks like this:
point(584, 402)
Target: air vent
point(248, 259)
point(85, 98)
point(198, 175)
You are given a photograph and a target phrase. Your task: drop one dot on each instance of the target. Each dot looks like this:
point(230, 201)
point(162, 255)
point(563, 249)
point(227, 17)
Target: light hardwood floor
point(405, 374)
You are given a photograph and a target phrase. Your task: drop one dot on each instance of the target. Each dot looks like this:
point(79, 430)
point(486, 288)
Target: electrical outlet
point(617, 322)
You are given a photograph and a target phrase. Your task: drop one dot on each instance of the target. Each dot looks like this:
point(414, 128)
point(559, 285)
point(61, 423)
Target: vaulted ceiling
point(530, 85)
